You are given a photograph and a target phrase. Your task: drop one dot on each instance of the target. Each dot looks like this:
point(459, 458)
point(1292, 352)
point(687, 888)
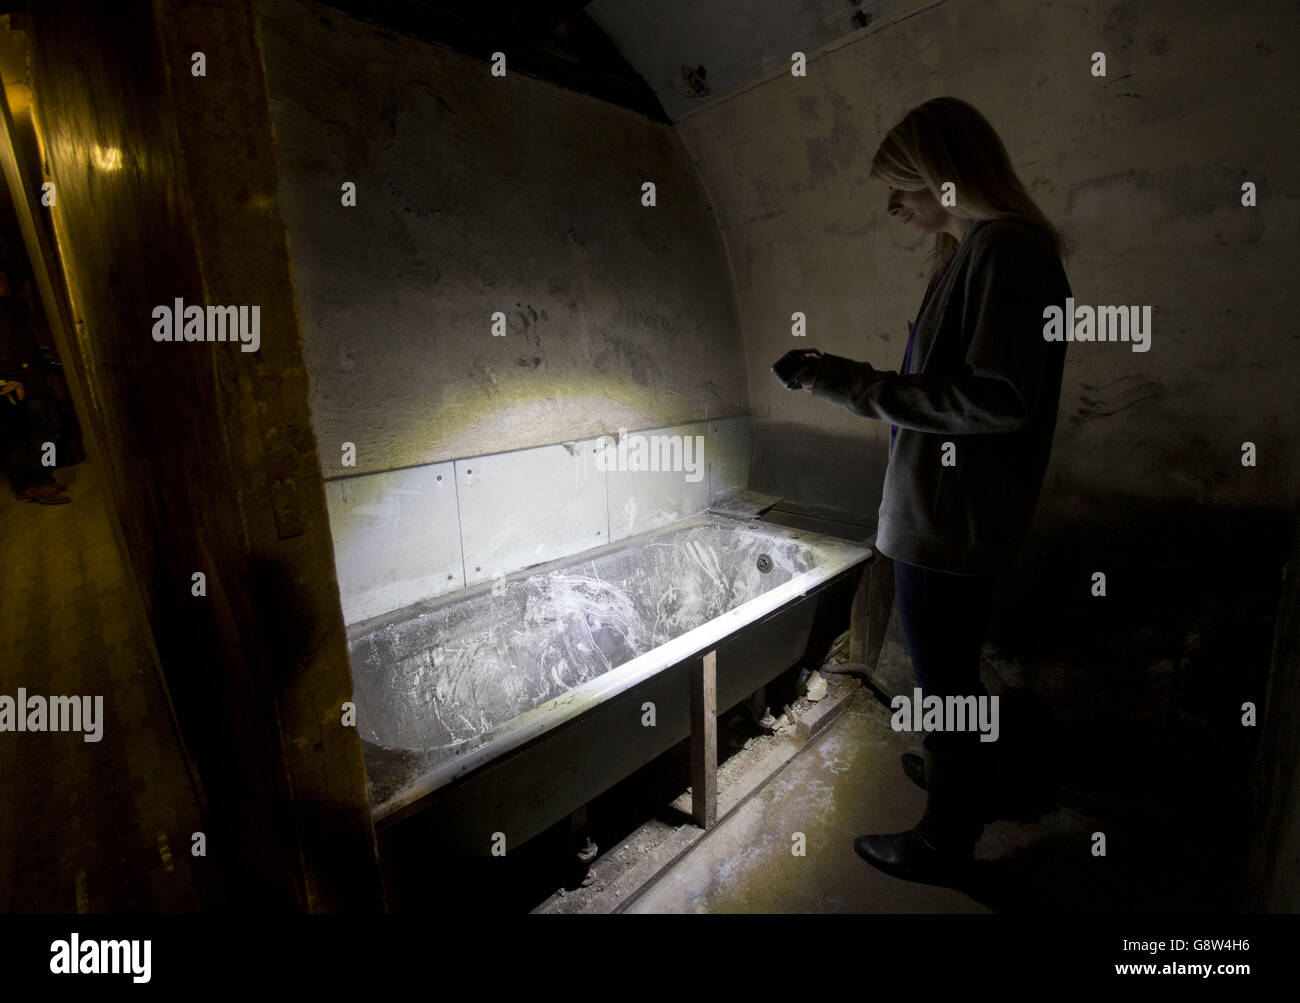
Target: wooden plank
point(869, 617)
point(704, 741)
point(858, 615)
point(881, 571)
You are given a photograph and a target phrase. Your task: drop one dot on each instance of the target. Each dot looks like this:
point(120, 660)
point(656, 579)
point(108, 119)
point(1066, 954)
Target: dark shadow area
point(826, 476)
point(428, 879)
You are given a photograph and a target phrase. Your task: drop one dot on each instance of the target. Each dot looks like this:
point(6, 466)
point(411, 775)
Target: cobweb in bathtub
point(588, 626)
point(484, 661)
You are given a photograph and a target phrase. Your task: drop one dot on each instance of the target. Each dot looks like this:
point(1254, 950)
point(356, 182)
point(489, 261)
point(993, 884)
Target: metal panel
point(641, 500)
point(528, 790)
point(729, 446)
point(529, 506)
point(396, 538)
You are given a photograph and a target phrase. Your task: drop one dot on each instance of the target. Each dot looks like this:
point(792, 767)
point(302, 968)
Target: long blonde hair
point(947, 139)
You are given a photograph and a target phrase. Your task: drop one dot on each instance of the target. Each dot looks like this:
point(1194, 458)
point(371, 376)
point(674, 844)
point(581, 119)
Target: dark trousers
point(25, 428)
point(944, 618)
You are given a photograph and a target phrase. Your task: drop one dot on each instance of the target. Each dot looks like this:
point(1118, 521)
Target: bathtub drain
point(764, 563)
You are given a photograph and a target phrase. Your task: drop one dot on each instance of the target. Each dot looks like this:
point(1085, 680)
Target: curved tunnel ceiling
point(552, 40)
point(663, 58)
point(691, 52)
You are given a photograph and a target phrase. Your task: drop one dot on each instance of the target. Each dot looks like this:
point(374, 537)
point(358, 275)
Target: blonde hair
point(947, 139)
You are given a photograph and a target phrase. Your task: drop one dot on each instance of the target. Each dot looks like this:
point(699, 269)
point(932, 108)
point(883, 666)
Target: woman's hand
point(809, 375)
point(797, 370)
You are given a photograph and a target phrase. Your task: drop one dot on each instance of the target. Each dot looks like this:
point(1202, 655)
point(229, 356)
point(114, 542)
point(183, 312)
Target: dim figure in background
point(29, 413)
point(972, 412)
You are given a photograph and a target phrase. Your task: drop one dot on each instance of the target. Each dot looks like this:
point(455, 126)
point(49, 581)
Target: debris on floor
point(738, 732)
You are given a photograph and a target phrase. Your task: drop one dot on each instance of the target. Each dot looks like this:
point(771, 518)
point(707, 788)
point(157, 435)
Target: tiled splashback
point(406, 535)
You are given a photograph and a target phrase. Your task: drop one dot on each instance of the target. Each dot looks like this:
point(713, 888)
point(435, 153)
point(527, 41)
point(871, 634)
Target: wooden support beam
point(257, 669)
point(870, 613)
point(704, 741)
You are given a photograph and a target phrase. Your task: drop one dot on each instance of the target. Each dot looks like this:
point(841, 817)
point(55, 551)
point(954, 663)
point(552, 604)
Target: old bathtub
point(496, 711)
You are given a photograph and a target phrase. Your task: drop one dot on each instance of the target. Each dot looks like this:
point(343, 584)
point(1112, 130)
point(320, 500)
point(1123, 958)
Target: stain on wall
point(478, 194)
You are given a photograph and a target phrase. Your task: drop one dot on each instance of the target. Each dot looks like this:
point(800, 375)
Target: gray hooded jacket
point(983, 378)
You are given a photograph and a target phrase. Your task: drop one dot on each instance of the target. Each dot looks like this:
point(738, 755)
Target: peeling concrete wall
point(1141, 168)
point(478, 194)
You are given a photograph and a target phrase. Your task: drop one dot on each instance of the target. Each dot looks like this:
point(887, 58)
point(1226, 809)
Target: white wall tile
point(729, 446)
point(642, 500)
point(528, 506)
point(407, 535)
point(396, 538)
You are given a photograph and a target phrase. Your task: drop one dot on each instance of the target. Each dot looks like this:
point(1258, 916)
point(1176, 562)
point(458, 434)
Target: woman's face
point(919, 211)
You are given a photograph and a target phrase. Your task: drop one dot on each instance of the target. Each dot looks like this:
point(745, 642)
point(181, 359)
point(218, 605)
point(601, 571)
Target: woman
point(972, 413)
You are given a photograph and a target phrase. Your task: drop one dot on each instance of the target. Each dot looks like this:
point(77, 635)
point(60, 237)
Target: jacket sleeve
point(997, 389)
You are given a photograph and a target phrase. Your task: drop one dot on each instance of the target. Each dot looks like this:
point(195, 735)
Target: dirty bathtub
point(498, 710)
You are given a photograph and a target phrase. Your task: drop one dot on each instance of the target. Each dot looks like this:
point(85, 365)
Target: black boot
point(914, 769)
point(940, 850)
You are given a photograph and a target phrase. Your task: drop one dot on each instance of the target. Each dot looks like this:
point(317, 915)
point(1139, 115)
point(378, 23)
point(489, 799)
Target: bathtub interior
point(437, 676)
point(460, 682)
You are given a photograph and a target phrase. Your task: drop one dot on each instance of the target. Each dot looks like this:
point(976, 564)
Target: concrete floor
point(847, 782)
point(85, 827)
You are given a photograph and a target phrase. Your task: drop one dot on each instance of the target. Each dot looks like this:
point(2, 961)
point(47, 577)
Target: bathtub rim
point(838, 556)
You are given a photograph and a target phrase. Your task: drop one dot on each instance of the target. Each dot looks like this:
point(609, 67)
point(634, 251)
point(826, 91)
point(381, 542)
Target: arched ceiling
point(662, 58)
point(693, 51)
